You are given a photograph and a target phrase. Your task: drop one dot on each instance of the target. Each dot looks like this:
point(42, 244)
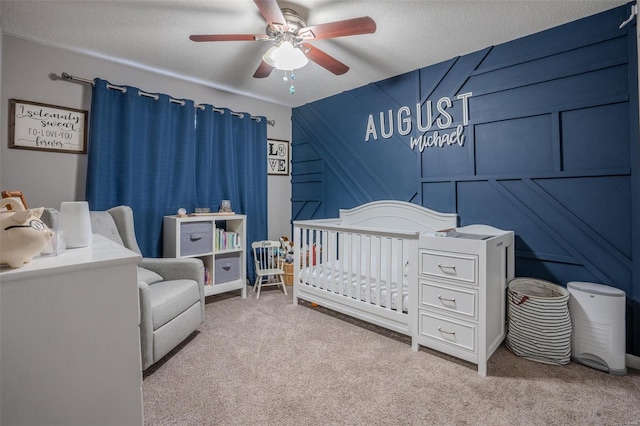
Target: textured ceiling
point(410, 34)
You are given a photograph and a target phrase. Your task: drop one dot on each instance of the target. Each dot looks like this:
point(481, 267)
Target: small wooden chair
point(268, 264)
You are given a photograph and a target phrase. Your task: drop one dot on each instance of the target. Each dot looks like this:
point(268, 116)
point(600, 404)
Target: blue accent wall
point(550, 150)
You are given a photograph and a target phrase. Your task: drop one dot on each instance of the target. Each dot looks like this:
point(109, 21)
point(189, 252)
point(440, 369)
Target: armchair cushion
point(178, 269)
point(170, 298)
point(175, 269)
point(148, 276)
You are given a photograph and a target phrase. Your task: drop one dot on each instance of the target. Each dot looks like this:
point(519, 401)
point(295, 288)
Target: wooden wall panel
point(550, 151)
point(596, 138)
point(514, 146)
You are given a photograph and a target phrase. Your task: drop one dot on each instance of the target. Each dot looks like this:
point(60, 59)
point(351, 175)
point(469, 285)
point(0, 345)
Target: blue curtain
point(232, 165)
point(216, 161)
point(250, 138)
point(142, 154)
point(156, 156)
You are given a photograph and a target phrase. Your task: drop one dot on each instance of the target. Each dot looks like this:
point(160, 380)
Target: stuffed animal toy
point(22, 234)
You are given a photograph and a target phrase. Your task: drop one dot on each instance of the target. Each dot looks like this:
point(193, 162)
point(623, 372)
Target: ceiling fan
point(291, 34)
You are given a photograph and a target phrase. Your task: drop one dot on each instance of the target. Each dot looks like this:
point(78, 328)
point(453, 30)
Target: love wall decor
point(277, 157)
point(44, 127)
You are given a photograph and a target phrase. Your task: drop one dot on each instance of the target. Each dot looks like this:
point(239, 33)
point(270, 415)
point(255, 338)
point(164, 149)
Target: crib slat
point(341, 266)
point(329, 260)
point(357, 282)
point(313, 243)
point(349, 264)
point(399, 276)
point(378, 270)
point(297, 276)
point(321, 260)
point(367, 268)
point(388, 275)
point(320, 254)
point(303, 261)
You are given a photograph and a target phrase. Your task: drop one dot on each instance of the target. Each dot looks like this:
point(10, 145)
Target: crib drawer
point(449, 299)
point(458, 334)
point(458, 267)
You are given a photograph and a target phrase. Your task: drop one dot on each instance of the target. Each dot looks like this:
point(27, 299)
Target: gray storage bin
point(539, 326)
point(196, 238)
point(227, 267)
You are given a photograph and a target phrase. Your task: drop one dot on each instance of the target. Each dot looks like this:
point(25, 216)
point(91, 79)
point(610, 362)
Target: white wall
point(30, 72)
point(1, 48)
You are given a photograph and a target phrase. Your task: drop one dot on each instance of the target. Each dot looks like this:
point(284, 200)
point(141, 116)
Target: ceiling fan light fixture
point(285, 56)
point(268, 56)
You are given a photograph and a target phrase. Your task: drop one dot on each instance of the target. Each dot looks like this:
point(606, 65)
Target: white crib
point(386, 263)
point(365, 263)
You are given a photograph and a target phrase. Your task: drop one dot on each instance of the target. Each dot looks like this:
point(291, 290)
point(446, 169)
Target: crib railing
point(370, 266)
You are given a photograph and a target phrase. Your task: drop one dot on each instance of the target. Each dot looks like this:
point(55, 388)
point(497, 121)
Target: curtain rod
point(68, 77)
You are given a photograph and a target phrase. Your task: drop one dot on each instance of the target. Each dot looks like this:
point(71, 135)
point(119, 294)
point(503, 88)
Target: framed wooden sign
point(45, 127)
point(277, 157)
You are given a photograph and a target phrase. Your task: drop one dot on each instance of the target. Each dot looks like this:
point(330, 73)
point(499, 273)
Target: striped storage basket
point(539, 322)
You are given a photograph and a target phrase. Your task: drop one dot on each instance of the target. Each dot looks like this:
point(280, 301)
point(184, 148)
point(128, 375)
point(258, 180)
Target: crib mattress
point(326, 277)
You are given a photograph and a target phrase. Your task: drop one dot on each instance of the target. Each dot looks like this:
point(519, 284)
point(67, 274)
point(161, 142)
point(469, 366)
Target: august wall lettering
point(438, 115)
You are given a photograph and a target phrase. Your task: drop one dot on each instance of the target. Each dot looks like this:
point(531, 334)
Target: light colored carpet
point(267, 362)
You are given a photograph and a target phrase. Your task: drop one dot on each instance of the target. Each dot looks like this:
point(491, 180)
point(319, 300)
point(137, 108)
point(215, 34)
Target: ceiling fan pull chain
point(292, 88)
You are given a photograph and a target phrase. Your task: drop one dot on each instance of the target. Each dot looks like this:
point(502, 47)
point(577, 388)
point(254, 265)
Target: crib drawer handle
point(443, 267)
point(445, 331)
point(444, 299)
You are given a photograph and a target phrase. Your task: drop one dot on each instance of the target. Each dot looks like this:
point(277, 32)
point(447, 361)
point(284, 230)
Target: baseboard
point(632, 361)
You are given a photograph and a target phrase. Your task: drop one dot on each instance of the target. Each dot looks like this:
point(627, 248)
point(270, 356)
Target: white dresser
point(462, 281)
point(69, 339)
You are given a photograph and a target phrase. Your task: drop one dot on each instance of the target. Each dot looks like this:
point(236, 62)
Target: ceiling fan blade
point(324, 60)
point(348, 27)
point(264, 70)
point(271, 12)
point(226, 37)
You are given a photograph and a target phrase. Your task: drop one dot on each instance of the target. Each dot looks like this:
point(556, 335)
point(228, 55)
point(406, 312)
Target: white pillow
point(148, 276)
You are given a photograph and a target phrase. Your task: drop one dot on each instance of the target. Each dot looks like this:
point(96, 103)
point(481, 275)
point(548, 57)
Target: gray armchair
point(171, 290)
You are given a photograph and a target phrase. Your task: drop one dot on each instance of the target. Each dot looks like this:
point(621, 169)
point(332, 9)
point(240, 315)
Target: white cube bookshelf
point(219, 240)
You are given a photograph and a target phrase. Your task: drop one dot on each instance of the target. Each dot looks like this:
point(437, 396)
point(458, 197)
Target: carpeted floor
point(267, 362)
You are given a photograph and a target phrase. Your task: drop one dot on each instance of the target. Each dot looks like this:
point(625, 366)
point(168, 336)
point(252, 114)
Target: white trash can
point(598, 320)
